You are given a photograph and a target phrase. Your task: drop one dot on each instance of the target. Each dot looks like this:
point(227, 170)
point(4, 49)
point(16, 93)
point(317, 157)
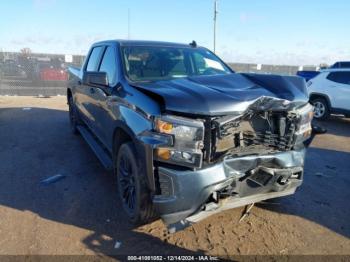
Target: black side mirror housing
point(95, 79)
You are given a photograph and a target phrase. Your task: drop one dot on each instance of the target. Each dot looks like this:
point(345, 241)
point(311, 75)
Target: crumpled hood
point(233, 93)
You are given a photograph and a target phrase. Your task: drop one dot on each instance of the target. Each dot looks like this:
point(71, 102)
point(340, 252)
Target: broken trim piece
point(229, 203)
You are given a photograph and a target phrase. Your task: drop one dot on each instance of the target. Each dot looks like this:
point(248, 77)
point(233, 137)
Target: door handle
point(92, 90)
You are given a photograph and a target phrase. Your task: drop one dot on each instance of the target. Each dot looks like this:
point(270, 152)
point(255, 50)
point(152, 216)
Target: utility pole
point(215, 15)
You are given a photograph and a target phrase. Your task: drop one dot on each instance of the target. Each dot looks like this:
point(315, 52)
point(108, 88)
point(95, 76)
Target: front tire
point(321, 108)
point(132, 186)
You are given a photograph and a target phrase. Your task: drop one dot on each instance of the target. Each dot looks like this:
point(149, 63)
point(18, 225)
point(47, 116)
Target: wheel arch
point(319, 95)
point(122, 134)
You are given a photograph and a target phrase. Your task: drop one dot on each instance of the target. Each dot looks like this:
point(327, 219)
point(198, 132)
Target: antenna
point(193, 44)
point(215, 15)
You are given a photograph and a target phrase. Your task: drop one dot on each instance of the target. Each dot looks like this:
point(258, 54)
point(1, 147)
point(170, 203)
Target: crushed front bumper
point(190, 196)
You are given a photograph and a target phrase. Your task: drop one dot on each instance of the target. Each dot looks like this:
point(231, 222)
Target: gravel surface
point(79, 213)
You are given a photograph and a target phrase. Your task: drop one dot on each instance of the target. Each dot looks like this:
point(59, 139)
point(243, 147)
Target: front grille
point(269, 139)
point(252, 133)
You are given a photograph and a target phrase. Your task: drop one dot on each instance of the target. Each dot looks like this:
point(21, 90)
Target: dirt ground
point(80, 214)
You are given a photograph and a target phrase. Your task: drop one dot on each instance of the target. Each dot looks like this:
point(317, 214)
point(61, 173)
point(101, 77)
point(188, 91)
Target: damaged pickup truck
point(185, 135)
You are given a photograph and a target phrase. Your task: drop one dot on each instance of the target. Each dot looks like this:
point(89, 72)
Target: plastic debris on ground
point(319, 174)
point(246, 212)
point(117, 244)
point(52, 179)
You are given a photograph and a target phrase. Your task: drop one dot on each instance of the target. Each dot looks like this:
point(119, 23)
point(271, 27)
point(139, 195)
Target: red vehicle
point(51, 72)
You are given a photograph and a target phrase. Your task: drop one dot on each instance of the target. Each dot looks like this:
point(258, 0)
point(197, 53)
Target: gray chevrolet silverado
point(186, 136)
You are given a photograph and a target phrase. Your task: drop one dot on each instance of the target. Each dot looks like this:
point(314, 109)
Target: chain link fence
point(35, 74)
point(270, 69)
point(28, 74)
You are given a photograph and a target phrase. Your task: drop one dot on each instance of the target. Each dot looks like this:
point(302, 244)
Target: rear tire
point(133, 191)
point(73, 116)
point(321, 108)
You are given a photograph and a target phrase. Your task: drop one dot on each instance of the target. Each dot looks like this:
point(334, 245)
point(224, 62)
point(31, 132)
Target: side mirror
point(95, 79)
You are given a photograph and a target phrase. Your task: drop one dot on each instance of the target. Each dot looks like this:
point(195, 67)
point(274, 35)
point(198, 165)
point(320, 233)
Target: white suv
point(329, 92)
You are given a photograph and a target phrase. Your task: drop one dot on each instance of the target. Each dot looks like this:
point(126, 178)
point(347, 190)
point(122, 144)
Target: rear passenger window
point(94, 59)
point(109, 65)
point(345, 64)
point(339, 77)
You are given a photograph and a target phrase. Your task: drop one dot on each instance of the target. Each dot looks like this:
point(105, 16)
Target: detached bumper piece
point(229, 203)
point(187, 196)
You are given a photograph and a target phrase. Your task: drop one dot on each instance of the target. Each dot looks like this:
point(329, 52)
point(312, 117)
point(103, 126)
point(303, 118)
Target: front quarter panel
point(133, 112)
point(131, 109)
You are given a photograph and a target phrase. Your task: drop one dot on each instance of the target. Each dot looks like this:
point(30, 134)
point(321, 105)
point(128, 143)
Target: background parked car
point(307, 75)
point(341, 64)
point(10, 68)
point(329, 92)
point(50, 71)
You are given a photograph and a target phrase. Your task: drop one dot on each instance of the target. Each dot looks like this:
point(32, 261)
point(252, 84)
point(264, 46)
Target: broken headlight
point(188, 135)
point(304, 129)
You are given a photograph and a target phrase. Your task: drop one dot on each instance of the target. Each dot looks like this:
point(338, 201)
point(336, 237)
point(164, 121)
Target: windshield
point(159, 63)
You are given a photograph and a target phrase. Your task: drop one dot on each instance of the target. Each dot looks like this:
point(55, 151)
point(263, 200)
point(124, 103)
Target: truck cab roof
point(123, 42)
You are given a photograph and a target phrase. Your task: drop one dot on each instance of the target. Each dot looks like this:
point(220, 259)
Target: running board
point(101, 154)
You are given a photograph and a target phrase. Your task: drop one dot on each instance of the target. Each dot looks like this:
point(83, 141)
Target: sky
point(293, 32)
